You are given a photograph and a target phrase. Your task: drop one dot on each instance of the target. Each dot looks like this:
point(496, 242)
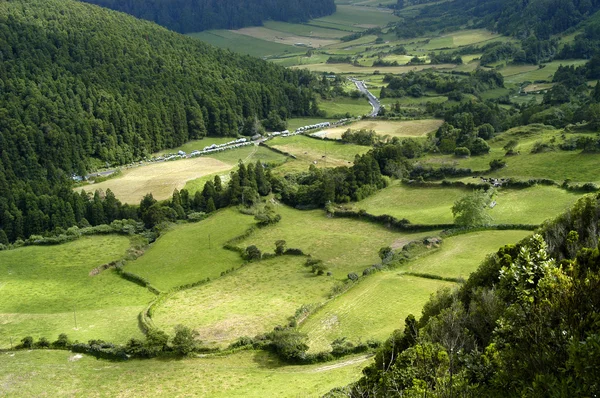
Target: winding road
point(360, 85)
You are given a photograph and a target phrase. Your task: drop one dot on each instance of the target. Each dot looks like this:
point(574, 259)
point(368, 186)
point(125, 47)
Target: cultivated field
point(371, 310)
point(409, 128)
point(160, 179)
point(343, 105)
point(460, 255)
point(252, 300)
point(244, 374)
point(429, 205)
point(285, 38)
point(345, 245)
point(192, 252)
point(244, 44)
point(48, 290)
point(532, 73)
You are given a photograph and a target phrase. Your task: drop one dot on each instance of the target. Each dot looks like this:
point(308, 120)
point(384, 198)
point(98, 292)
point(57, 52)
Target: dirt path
point(344, 363)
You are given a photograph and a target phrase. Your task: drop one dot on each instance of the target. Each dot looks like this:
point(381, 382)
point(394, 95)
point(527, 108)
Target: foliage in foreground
point(524, 324)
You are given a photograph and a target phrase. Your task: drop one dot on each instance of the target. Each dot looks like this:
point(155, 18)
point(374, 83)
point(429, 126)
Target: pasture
point(244, 44)
point(531, 73)
point(344, 245)
point(275, 36)
point(351, 69)
point(358, 17)
point(191, 252)
point(372, 309)
point(324, 153)
point(160, 178)
point(48, 290)
point(344, 106)
point(460, 255)
point(409, 128)
point(244, 374)
point(304, 30)
point(250, 301)
point(429, 205)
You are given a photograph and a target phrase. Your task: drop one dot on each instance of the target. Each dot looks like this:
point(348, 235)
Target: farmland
point(250, 301)
point(39, 373)
point(411, 128)
point(47, 290)
point(429, 205)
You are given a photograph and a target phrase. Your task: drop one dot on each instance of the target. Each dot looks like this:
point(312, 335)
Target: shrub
point(353, 277)
point(61, 342)
point(26, 342)
point(462, 152)
point(280, 247)
point(184, 342)
point(252, 253)
point(497, 164)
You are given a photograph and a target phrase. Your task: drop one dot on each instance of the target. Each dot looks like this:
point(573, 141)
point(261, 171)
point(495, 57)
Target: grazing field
point(409, 128)
point(294, 123)
point(48, 290)
point(160, 179)
point(324, 153)
point(459, 39)
point(522, 73)
point(244, 374)
point(304, 30)
point(361, 17)
point(421, 205)
point(250, 301)
point(344, 245)
point(185, 255)
point(244, 44)
point(373, 309)
point(460, 255)
point(343, 106)
point(275, 36)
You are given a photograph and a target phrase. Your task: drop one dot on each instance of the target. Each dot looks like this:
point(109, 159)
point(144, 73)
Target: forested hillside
point(82, 85)
point(538, 18)
point(186, 16)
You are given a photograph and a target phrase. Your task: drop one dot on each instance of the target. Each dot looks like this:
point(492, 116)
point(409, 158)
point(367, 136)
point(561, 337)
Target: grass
point(434, 205)
point(160, 178)
point(245, 374)
point(345, 245)
point(248, 302)
point(293, 124)
point(460, 255)
point(371, 310)
point(351, 69)
point(324, 153)
point(275, 36)
point(521, 73)
point(362, 17)
point(409, 128)
point(184, 254)
point(344, 105)
point(304, 30)
point(244, 44)
point(197, 145)
point(41, 287)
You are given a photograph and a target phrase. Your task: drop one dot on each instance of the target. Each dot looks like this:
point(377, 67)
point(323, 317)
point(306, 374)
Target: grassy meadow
point(48, 290)
point(430, 205)
point(408, 128)
point(184, 254)
point(460, 255)
point(244, 374)
point(252, 300)
point(344, 245)
point(373, 309)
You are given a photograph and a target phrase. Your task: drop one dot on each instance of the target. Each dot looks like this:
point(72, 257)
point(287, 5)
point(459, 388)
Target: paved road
point(360, 85)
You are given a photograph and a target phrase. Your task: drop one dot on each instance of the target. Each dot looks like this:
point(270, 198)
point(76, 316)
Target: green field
point(362, 17)
point(304, 30)
point(245, 374)
point(45, 290)
point(244, 44)
point(422, 205)
point(248, 302)
point(371, 310)
point(460, 255)
point(343, 105)
point(345, 245)
point(184, 254)
point(520, 74)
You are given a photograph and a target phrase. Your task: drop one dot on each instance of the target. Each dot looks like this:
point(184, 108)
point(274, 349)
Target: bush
point(497, 164)
point(26, 342)
point(252, 253)
point(462, 152)
point(280, 247)
point(353, 277)
point(184, 342)
point(61, 342)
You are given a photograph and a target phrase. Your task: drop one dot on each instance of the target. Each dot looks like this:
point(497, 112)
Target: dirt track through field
point(342, 364)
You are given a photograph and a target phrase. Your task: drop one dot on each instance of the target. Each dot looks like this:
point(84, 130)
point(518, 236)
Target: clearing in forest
point(409, 128)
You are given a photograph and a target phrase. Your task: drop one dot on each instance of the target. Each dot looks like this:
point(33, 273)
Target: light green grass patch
point(522, 73)
point(304, 30)
point(244, 374)
point(324, 153)
point(345, 245)
point(373, 309)
point(363, 17)
point(344, 105)
point(422, 205)
point(248, 302)
point(184, 254)
point(460, 255)
point(41, 287)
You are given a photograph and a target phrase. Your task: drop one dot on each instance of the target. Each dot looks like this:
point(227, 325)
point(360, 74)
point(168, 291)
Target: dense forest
point(524, 324)
point(83, 86)
point(187, 16)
